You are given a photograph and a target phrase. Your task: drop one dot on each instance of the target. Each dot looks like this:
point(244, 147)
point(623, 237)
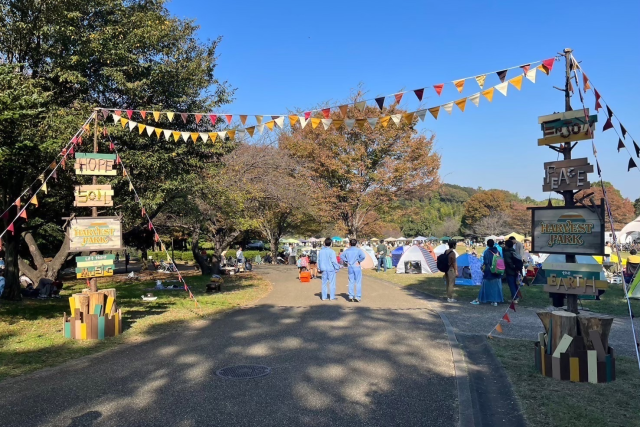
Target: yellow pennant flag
point(141, 127)
point(156, 116)
point(384, 121)
point(130, 186)
point(488, 94)
point(315, 123)
point(194, 136)
point(544, 69)
point(44, 188)
point(176, 135)
point(517, 82)
point(250, 130)
point(337, 124)
point(293, 119)
point(270, 124)
point(461, 103)
point(499, 328)
point(124, 172)
point(408, 117)
point(170, 116)
point(123, 122)
point(231, 133)
point(158, 132)
point(480, 80)
point(360, 123)
point(435, 111)
point(34, 201)
point(459, 85)
point(213, 136)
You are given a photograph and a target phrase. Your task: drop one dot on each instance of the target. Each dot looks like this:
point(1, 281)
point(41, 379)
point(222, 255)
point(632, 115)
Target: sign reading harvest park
point(562, 230)
point(567, 127)
point(93, 195)
point(95, 234)
point(567, 175)
point(95, 164)
point(95, 266)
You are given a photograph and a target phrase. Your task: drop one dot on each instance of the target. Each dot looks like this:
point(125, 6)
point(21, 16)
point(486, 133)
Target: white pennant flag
point(260, 127)
point(222, 134)
point(167, 134)
point(396, 118)
point(132, 125)
point(326, 123)
point(475, 98)
point(116, 119)
point(185, 136)
point(259, 120)
point(502, 88)
point(303, 121)
point(448, 107)
point(150, 130)
point(349, 123)
point(279, 121)
point(372, 122)
point(531, 74)
point(241, 134)
point(421, 114)
point(204, 136)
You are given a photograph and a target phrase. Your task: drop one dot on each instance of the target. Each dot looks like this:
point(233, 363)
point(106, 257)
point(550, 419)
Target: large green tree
point(63, 58)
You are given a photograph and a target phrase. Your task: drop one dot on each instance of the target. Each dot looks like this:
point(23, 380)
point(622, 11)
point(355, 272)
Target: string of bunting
point(144, 214)
point(505, 316)
point(53, 167)
point(327, 123)
point(528, 71)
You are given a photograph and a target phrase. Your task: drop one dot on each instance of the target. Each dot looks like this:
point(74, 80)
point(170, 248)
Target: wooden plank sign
point(567, 127)
point(95, 164)
point(95, 260)
point(567, 175)
point(93, 195)
point(95, 234)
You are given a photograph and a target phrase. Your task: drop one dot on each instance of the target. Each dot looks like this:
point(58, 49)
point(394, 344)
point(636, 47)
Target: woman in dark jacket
point(511, 269)
point(491, 288)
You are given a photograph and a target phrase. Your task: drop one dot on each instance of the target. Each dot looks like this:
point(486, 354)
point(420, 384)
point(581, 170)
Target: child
point(303, 263)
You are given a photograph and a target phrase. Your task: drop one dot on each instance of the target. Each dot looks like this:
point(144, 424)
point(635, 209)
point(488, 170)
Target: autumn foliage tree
point(622, 208)
point(360, 170)
point(482, 205)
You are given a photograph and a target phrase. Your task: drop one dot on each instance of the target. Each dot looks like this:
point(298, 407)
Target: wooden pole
point(93, 283)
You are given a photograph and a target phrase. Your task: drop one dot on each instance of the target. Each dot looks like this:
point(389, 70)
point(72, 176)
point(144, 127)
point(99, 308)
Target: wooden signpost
point(95, 164)
point(93, 195)
point(567, 175)
point(95, 266)
point(566, 127)
point(95, 234)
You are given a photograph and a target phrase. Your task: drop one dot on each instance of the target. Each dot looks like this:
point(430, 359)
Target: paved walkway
point(385, 361)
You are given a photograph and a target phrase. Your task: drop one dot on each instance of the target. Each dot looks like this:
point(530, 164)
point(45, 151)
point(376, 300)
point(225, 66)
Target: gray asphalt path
point(383, 362)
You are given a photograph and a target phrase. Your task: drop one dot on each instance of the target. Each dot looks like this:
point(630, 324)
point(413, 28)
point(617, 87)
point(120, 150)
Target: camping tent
point(631, 227)
point(469, 270)
point(441, 249)
point(519, 237)
point(336, 239)
point(396, 254)
point(419, 239)
point(494, 238)
point(634, 288)
point(370, 260)
point(416, 254)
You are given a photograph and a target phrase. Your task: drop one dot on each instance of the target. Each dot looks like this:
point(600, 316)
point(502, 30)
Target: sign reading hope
point(95, 164)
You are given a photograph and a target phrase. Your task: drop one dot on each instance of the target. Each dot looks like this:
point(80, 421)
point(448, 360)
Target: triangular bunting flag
point(502, 88)
point(448, 107)
point(326, 123)
point(270, 124)
point(337, 124)
point(150, 130)
point(23, 214)
point(213, 118)
point(150, 226)
point(204, 136)
point(170, 116)
point(280, 121)
point(396, 118)
point(549, 63)
point(360, 123)
point(421, 114)
point(123, 122)
point(176, 135)
point(398, 97)
point(620, 145)
point(194, 136)
point(129, 113)
point(105, 114)
point(435, 111)
point(372, 122)
point(361, 105)
point(156, 116)
point(380, 102)
point(307, 114)
point(118, 113)
point(506, 317)
point(141, 128)
point(115, 120)
point(608, 125)
point(143, 114)
point(438, 88)
point(624, 131)
point(10, 228)
point(303, 122)
point(259, 119)
point(632, 164)
point(525, 69)
point(130, 186)
point(461, 103)
point(598, 105)
point(158, 132)
point(18, 203)
point(124, 172)
point(315, 123)
point(184, 117)
point(408, 117)
point(44, 188)
point(543, 68)
point(516, 82)
point(199, 117)
point(250, 130)
point(499, 327)
point(384, 121)
point(475, 98)
point(222, 135)
point(637, 149)
point(343, 110)
point(243, 119)
point(231, 133)
point(502, 75)
point(34, 201)
point(293, 119)
point(585, 82)
point(512, 306)
point(531, 75)
point(349, 123)
point(609, 112)
point(480, 80)
point(419, 94)
point(242, 133)
point(132, 125)
point(459, 84)
point(229, 118)
point(326, 112)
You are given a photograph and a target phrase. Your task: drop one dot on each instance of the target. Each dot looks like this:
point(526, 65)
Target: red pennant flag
point(190, 295)
point(111, 147)
point(23, 214)
point(608, 125)
point(419, 93)
point(143, 212)
point(506, 317)
point(398, 97)
point(88, 283)
point(548, 63)
point(150, 225)
point(185, 286)
point(229, 117)
point(326, 112)
point(143, 114)
point(307, 114)
point(118, 161)
point(74, 140)
point(512, 306)
point(438, 88)
point(10, 228)
point(184, 117)
point(129, 113)
point(71, 151)
point(525, 68)
point(198, 118)
point(63, 152)
point(80, 141)
point(17, 202)
point(213, 118)
point(598, 105)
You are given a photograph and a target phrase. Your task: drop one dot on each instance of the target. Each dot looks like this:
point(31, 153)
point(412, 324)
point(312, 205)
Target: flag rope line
point(64, 150)
point(511, 307)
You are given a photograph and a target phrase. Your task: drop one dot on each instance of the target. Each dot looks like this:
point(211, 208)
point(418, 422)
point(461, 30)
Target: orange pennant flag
point(499, 328)
point(243, 119)
point(488, 94)
point(231, 133)
point(18, 203)
point(517, 82)
point(176, 135)
point(461, 103)
point(229, 117)
point(543, 68)
point(199, 117)
point(194, 136)
point(398, 97)
point(293, 119)
point(585, 81)
point(23, 214)
point(34, 201)
point(459, 85)
point(435, 111)
point(124, 172)
point(343, 110)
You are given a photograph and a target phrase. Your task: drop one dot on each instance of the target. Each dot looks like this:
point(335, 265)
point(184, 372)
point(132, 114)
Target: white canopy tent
point(633, 226)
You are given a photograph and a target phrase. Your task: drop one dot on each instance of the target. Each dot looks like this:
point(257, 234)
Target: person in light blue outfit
point(328, 265)
point(353, 257)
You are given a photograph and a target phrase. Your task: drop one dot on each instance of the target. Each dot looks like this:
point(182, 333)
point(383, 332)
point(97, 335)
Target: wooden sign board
point(567, 270)
point(95, 234)
point(567, 127)
point(573, 230)
point(95, 260)
point(95, 164)
point(575, 285)
point(567, 175)
point(97, 271)
point(93, 195)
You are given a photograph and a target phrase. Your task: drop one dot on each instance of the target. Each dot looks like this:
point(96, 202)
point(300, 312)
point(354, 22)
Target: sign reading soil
point(93, 195)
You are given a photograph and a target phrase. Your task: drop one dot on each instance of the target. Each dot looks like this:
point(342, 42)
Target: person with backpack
point(493, 267)
point(313, 264)
point(447, 263)
point(511, 269)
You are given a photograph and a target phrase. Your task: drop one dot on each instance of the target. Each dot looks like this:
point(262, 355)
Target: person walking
point(353, 256)
point(328, 265)
point(127, 258)
point(452, 273)
point(491, 288)
point(382, 257)
point(511, 269)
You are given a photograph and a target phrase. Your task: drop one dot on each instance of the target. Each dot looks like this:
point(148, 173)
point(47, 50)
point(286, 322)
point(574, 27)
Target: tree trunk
point(595, 322)
point(560, 323)
point(204, 265)
point(144, 258)
point(273, 248)
point(12, 273)
point(48, 270)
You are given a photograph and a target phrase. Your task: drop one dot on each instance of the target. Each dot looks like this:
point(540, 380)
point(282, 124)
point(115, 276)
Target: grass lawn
point(31, 330)
point(552, 403)
point(612, 302)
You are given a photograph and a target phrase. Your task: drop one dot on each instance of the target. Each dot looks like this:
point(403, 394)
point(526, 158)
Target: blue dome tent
point(396, 254)
point(469, 270)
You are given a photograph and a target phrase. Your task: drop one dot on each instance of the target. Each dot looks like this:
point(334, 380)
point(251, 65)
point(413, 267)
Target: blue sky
point(287, 55)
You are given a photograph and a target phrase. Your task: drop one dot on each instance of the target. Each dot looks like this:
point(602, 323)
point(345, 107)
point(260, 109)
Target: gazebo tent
point(457, 238)
point(420, 239)
point(519, 237)
point(633, 226)
point(445, 239)
point(416, 254)
point(336, 239)
point(495, 239)
point(396, 254)
point(469, 270)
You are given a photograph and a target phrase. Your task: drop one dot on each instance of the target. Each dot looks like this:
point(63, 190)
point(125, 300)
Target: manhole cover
point(243, 372)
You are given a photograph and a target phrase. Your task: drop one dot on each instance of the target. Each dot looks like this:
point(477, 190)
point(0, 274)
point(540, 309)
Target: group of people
point(328, 265)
